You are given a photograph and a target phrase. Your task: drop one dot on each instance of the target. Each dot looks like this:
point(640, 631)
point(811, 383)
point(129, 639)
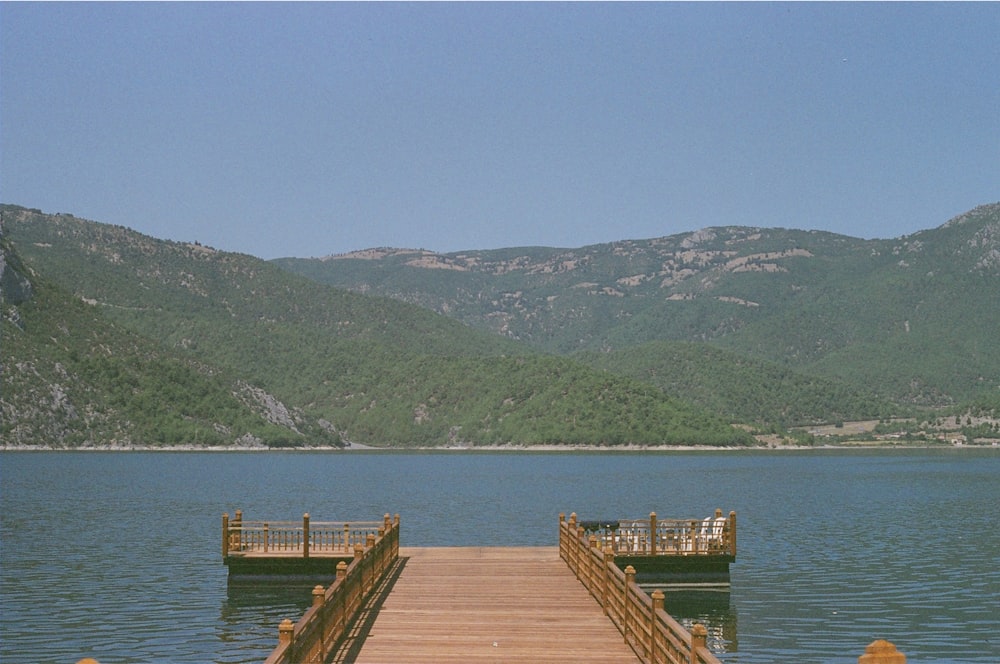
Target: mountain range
point(111, 337)
point(914, 319)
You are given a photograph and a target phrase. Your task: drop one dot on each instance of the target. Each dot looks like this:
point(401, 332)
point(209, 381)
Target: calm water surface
point(116, 555)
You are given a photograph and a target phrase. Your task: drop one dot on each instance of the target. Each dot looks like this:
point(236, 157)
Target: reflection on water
point(251, 613)
point(116, 556)
point(712, 608)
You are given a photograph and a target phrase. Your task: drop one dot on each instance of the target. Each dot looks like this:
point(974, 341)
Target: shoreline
point(864, 445)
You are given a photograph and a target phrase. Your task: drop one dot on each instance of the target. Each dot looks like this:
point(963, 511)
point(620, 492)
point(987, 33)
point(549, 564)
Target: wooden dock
point(475, 604)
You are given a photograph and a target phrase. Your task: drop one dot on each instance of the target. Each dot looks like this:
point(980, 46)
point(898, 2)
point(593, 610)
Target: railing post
point(347, 537)
point(881, 652)
point(266, 538)
point(652, 533)
point(592, 545)
point(694, 536)
point(305, 535)
point(732, 534)
point(286, 632)
point(319, 598)
point(370, 540)
point(225, 536)
point(562, 544)
point(570, 544)
point(341, 570)
point(236, 530)
point(629, 580)
point(657, 605)
point(609, 561)
point(699, 639)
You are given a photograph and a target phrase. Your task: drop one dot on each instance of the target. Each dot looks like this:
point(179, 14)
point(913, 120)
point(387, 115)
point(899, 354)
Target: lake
point(116, 555)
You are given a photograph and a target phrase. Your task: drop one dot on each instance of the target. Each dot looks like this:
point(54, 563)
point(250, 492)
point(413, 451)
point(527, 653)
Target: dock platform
point(578, 602)
point(477, 604)
point(466, 604)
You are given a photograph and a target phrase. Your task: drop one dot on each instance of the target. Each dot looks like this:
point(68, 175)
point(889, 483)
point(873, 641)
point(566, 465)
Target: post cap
point(881, 652)
point(285, 631)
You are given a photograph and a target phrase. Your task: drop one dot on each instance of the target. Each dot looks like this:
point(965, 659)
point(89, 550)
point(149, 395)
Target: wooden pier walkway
point(479, 604)
point(475, 604)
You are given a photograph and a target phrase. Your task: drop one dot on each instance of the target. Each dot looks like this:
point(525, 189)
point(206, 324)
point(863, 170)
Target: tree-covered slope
point(741, 388)
point(911, 319)
point(372, 370)
point(72, 378)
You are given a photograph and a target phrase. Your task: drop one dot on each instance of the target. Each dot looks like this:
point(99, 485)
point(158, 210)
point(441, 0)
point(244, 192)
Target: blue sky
point(307, 129)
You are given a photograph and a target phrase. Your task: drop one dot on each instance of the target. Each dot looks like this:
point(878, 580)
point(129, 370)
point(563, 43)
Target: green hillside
point(911, 320)
point(368, 370)
point(72, 378)
point(742, 389)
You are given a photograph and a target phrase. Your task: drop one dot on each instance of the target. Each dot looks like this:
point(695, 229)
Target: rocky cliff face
point(14, 286)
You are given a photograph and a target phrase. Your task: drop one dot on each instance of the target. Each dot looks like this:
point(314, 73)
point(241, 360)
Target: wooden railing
point(240, 537)
point(654, 636)
point(715, 535)
point(317, 632)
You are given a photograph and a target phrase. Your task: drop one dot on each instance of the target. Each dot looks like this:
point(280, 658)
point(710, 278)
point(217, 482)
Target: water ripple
point(115, 556)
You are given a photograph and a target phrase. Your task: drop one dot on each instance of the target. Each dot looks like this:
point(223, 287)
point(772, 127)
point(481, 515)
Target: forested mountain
point(113, 337)
point(912, 320)
point(741, 388)
point(73, 378)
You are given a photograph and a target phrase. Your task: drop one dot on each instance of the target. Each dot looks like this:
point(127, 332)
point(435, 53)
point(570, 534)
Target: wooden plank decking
point(475, 604)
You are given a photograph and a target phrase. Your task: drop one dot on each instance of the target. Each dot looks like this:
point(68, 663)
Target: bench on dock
point(672, 551)
point(714, 535)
